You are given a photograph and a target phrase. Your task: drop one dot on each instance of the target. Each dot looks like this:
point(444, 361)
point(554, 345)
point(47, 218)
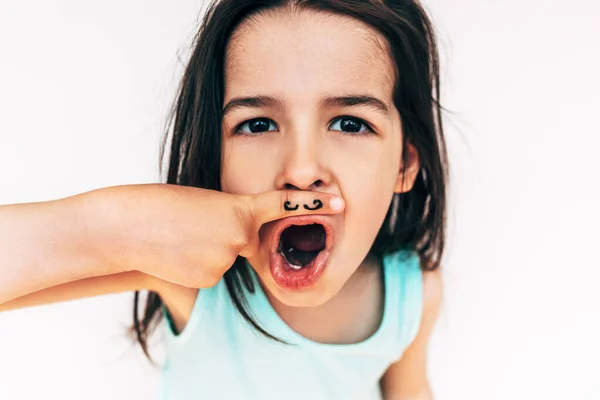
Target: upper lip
point(280, 225)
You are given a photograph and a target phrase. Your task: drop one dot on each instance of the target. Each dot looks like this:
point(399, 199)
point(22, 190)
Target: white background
point(84, 90)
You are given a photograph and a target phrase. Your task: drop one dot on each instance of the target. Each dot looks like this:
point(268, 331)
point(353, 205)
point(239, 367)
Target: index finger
point(272, 205)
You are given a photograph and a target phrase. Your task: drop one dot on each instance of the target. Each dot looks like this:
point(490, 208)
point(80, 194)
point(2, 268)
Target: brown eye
point(255, 126)
point(351, 125)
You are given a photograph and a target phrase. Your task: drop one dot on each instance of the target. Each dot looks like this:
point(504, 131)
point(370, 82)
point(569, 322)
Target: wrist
point(105, 233)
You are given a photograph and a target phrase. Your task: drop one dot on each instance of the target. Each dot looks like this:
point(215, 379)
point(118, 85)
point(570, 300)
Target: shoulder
point(423, 289)
point(179, 302)
point(422, 300)
point(429, 300)
point(419, 295)
point(432, 294)
point(430, 289)
point(407, 377)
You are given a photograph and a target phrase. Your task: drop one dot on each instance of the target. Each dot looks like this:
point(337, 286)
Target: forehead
point(307, 55)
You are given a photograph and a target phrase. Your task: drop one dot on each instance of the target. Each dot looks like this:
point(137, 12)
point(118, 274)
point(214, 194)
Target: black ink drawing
point(287, 207)
point(318, 204)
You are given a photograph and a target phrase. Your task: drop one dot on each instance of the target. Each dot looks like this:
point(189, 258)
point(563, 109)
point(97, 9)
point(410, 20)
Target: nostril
point(316, 184)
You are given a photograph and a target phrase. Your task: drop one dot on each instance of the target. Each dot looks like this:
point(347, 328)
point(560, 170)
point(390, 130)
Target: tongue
point(307, 238)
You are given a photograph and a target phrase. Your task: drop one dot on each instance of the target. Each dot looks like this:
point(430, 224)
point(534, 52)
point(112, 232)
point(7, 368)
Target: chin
point(297, 257)
point(312, 297)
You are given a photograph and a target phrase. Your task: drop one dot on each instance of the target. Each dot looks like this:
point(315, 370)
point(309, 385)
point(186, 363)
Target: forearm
point(89, 287)
point(50, 243)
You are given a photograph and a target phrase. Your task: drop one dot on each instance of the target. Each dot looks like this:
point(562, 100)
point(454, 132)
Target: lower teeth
point(294, 267)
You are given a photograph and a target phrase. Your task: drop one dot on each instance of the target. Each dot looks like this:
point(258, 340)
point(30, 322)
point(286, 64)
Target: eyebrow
point(327, 102)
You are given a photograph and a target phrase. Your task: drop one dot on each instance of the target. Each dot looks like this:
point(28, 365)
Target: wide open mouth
point(299, 245)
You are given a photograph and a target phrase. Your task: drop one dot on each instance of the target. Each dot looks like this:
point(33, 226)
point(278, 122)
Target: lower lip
point(288, 278)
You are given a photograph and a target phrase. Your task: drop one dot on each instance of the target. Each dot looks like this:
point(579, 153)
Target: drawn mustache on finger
point(317, 205)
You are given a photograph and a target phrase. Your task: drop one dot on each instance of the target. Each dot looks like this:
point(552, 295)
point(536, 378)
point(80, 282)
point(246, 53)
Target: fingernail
point(336, 204)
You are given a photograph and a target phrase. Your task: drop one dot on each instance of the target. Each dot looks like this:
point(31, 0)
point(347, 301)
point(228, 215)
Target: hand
point(191, 236)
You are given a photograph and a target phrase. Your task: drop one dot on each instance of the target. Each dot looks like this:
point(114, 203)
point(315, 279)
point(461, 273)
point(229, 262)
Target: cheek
point(242, 172)
point(369, 172)
point(368, 187)
point(368, 200)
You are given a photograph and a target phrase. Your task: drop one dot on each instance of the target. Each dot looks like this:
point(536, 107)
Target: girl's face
point(326, 122)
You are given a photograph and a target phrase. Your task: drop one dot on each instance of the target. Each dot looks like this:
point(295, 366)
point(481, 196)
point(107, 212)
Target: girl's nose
point(302, 167)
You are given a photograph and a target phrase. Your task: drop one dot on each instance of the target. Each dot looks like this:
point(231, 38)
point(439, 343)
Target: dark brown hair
point(416, 220)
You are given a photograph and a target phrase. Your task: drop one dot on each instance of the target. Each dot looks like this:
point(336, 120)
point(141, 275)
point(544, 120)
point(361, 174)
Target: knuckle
point(239, 239)
point(251, 246)
point(243, 209)
point(244, 219)
point(286, 201)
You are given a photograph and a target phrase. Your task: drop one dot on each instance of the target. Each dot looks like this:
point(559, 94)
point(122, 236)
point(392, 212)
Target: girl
point(295, 245)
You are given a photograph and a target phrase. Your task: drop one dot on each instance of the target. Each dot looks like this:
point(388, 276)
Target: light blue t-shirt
point(220, 356)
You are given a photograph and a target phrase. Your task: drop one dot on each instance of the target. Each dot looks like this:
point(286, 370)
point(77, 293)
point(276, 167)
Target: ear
point(409, 171)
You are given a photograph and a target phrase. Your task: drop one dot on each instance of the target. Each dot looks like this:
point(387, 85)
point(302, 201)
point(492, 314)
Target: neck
point(335, 321)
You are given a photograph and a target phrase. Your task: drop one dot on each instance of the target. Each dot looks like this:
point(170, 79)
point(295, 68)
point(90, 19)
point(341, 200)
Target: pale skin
point(303, 150)
point(143, 233)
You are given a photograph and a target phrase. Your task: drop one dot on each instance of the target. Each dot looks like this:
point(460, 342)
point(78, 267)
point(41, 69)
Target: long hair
point(416, 220)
